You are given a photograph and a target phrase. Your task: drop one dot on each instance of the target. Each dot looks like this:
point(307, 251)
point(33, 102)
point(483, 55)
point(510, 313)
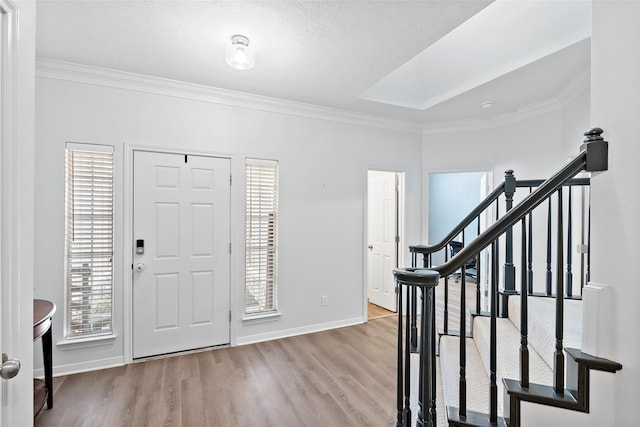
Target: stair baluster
point(493, 387)
point(406, 411)
point(478, 274)
point(400, 367)
point(549, 250)
point(463, 344)
point(524, 315)
point(530, 254)
point(445, 321)
point(569, 278)
point(558, 360)
point(589, 244)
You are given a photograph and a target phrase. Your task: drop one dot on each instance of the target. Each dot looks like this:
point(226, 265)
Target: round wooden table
point(43, 390)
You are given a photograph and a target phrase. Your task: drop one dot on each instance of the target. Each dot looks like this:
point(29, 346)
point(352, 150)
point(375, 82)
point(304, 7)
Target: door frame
point(127, 255)
point(400, 219)
point(16, 219)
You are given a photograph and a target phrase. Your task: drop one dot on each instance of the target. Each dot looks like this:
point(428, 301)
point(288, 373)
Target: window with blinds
point(88, 241)
point(261, 262)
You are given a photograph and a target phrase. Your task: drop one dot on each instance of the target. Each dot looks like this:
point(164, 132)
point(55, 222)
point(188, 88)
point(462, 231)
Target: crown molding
point(575, 87)
point(78, 73)
point(531, 110)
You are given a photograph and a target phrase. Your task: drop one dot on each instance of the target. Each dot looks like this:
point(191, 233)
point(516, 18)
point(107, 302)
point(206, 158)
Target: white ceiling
point(334, 53)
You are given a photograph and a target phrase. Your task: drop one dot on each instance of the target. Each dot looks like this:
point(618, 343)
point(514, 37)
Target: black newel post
point(426, 280)
point(509, 268)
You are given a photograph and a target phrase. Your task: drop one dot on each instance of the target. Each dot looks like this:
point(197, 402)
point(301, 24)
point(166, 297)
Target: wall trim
point(76, 368)
point(78, 73)
point(574, 88)
point(531, 110)
point(97, 76)
point(292, 332)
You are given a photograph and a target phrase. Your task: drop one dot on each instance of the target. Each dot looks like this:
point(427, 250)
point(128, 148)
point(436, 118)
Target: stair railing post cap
point(422, 277)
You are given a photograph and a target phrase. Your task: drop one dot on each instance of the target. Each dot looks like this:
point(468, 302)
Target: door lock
point(9, 368)
point(140, 246)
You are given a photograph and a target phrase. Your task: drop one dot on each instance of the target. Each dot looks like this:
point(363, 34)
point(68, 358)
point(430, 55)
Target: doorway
point(181, 259)
point(384, 231)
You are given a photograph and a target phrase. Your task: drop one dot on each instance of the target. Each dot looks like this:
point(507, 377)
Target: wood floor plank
point(344, 377)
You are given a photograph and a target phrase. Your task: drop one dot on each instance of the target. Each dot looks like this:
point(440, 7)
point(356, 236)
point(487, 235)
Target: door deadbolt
point(140, 246)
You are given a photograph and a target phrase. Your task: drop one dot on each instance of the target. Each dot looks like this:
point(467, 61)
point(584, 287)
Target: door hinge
point(396, 290)
point(230, 179)
point(229, 315)
point(185, 158)
point(397, 239)
point(229, 247)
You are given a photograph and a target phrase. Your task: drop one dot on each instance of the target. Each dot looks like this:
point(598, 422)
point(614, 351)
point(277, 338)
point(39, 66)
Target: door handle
point(139, 266)
point(370, 247)
point(9, 368)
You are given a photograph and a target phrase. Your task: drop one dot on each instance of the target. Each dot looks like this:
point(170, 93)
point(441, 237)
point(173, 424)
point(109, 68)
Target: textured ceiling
point(319, 52)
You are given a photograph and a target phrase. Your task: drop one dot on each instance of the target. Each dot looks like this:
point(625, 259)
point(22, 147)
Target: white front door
point(382, 238)
point(181, 223)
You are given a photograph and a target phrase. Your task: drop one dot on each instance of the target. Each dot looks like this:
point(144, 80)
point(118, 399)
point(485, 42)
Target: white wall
point(615, 100)
point(576, 116)
point(323, 168)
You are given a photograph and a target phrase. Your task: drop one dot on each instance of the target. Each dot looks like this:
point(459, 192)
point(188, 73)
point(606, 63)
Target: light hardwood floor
point(343, 377)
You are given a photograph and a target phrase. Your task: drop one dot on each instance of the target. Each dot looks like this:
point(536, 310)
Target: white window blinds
point(88, 241)
point(261, 262)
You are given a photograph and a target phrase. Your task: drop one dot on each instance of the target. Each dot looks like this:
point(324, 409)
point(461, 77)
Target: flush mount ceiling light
point(238, 55)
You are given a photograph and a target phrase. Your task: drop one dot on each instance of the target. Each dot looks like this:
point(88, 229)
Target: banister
point(427, 249)
point(593, 157)
point(491, 197)
point(514, 215)
point(537, 182)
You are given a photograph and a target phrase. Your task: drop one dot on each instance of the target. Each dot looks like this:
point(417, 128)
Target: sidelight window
point(88, 241)
point(261, 262)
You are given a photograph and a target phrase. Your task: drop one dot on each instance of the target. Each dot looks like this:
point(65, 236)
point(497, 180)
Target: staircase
point(520, 340)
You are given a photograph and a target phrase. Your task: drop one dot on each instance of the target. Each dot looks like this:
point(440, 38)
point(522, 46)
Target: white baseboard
point(286, 333)
point(76, 368)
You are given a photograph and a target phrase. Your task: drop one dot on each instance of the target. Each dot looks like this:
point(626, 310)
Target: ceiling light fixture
point(238, 55)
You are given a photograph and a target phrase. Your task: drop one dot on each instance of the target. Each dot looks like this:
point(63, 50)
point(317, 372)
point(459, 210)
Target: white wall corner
point(596, 320)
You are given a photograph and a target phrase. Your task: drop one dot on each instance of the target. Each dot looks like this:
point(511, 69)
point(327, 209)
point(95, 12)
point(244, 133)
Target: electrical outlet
point(325, 300)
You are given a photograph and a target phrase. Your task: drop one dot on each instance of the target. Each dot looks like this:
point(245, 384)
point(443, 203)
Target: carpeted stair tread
point(508, 354)
point(476, 378)
point(542, 324)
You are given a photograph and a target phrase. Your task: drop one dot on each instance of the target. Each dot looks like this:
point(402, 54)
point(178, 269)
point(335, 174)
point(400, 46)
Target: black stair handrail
point(488, 201)
point(464, 223)
point(592, 157)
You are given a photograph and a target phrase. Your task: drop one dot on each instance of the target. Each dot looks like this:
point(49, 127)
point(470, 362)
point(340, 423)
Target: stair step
point(542, 324)
point(508, 354)
point(477, 379)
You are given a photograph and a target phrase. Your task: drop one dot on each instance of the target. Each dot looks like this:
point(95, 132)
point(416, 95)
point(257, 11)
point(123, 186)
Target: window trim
point(91, 338)
point(269, 271)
